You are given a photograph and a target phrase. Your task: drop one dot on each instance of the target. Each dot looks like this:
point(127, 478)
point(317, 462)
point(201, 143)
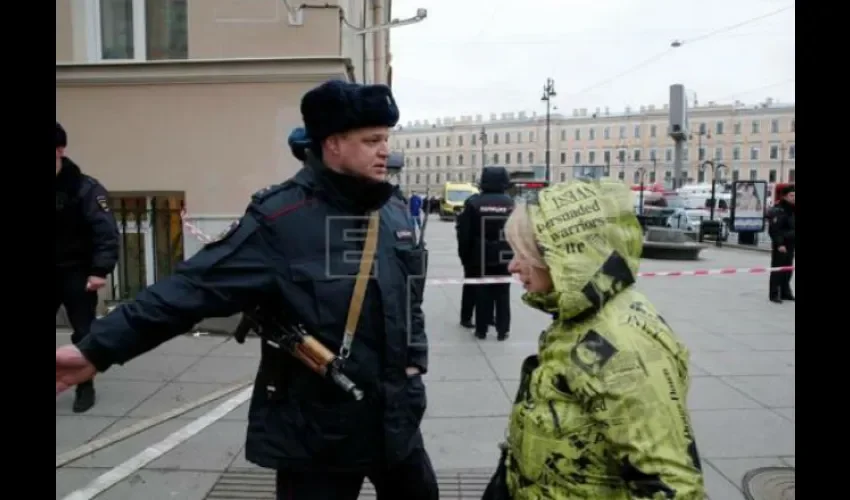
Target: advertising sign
point(748, 206)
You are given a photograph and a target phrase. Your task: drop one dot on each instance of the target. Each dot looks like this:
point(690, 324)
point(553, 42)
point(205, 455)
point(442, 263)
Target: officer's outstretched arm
point(222, 279)
point(104, 231)
point(652, 445)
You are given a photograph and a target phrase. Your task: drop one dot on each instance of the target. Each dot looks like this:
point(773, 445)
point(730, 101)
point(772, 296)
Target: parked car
point(690, 220)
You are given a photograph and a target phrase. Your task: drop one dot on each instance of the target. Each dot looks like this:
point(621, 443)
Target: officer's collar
point(350, 193)
point(69, 176)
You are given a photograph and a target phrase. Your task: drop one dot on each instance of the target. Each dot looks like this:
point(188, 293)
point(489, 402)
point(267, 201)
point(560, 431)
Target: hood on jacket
point(591, 241)
point(494, 180)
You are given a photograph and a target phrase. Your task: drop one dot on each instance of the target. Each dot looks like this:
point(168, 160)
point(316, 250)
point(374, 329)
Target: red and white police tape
point(656, 274)
point(203, 237)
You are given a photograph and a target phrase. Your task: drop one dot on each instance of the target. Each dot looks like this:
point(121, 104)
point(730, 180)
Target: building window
point(577, 158)
point(637, 131)
point(591, 157)
point(437, 161)
point(754, 154)
point(507, 156)
point(718, 153)
point(736, 174)
point(139, 30)
point(792, 152)
point(736, 153)
point(774, 152)
point(792, 175)
point(636, 154)
point(519, 158)
point(794, 125)
point(756, 127)
point(496, 158)
point(718, 128)
point(606, 155)
point(472, 141)
point(668, 155)
point(754, 174)
point(592, 134)
point(459, 140)
point(507, 137)
point(653, 130)
point(606, 132)
point(774, 126)
point(563, 177)
point(531, 157)
point(563, 158)
point(737, 128)
point(438, 141)
point(652, 155)
point(460, 160)
point(772, 176)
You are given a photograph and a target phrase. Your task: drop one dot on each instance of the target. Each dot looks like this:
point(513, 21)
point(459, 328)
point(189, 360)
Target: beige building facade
point(185, 105)
point(753, 142)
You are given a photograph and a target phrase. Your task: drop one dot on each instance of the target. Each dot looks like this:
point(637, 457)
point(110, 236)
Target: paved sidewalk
point(742, 395)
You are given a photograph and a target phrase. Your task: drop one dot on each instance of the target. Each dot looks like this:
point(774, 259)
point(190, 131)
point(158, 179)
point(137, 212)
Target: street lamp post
point(483, 138)
point(715, 168)
point(642, 172)
point(702, 132)
point(548, 94)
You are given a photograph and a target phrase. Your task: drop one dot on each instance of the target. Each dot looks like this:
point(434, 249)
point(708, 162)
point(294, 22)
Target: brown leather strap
point(366, 260)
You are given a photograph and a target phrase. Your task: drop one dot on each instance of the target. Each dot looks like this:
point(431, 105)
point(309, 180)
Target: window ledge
point(193, 71)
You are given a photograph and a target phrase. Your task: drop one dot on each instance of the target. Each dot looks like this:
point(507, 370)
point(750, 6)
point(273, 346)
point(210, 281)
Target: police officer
point(321, 441)
point(484, 251)
point(782, 231)
point(86, 250)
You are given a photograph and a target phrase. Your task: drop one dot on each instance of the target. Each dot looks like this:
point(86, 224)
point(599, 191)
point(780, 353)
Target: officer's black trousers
point(412, 479)
point(780, 281)
point(489, 298)
point(79, 304)
point(467, 298)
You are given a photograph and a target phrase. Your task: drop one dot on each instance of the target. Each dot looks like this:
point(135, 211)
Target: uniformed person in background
point(484, 251)
point(86, 250)
point(783, 238)
point(292, 249)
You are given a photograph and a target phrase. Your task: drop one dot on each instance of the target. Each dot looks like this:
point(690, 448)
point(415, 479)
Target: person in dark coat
point(484, 251)
point(292, 251)
point(783, 238)
point(86, 250)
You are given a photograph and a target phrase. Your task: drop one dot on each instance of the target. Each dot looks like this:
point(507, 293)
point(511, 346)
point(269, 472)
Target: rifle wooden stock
point(313, 354)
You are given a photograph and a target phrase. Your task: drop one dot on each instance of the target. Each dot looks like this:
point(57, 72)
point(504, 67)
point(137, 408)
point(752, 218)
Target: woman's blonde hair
point(519, 232)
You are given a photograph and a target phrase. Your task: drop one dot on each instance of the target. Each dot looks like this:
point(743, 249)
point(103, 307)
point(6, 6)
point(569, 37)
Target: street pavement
point(742, 396)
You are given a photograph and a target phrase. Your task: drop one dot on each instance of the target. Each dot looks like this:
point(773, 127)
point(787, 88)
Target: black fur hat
point(335, 107)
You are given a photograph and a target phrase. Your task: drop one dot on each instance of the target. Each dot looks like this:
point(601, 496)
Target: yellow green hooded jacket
point(602, 410)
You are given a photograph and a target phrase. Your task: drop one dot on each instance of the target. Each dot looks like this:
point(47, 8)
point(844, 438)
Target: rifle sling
point(367, 259)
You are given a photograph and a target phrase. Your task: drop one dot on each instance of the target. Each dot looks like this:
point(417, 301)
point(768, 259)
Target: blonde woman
point(601, 411)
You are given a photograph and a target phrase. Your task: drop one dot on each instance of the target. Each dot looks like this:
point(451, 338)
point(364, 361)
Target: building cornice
point(195, 71)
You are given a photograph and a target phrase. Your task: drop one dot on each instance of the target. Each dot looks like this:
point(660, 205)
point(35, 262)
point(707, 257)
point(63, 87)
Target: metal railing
point(151, 242)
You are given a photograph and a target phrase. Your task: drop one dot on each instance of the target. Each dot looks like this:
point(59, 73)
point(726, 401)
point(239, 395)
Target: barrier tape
point(203, 237)
point(656, 274)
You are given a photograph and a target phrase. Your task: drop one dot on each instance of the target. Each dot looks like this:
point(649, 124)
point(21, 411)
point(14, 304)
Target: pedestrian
point(321, 441)
point(86, 250)
point(416, 209)
point(484, 252)
point(782, 230)
point(601, 411)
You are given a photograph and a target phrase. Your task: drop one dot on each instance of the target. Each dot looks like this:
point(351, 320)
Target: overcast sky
point(493, 56)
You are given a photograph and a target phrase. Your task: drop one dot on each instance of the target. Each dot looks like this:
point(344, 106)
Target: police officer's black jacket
point(782, 226)
point(86, 233)
point(480, 227)
point(297, 245)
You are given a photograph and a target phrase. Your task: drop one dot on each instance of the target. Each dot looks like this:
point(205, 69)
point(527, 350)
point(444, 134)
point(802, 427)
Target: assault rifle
point(298, 342)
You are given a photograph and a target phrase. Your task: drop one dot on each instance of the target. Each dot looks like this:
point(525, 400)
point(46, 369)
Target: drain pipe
point(377, 37)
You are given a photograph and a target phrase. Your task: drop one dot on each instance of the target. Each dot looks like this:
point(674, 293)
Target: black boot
point(84, 398)
point(502, 336)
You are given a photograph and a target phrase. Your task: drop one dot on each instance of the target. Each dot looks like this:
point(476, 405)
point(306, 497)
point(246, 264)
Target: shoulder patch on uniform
point(268, 191)
point(103, 203)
